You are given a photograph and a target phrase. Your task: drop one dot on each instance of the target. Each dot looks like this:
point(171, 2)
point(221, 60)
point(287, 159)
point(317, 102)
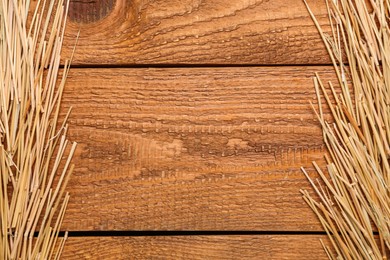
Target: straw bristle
point(32, 184)
point(353, 206)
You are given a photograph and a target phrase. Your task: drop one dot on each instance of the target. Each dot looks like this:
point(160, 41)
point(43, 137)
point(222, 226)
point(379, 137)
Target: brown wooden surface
point(192, 148)
point(197, 247)
point(195, 32)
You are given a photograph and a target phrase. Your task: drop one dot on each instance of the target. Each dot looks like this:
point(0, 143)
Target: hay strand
point(354, 205)
point(32, 185)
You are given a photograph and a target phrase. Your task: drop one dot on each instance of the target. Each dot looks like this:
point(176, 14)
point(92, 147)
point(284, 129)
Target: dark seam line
point(178, 66)
point(185, 233)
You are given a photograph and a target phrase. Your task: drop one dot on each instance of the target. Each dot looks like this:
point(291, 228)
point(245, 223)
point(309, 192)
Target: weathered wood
point(192, 149)
point(197, 247)
point(195, 32)
point(87, 11)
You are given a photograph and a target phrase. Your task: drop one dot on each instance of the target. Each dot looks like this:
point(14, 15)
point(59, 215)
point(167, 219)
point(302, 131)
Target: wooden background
point(193, 119)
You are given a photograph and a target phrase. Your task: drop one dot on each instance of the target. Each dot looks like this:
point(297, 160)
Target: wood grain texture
point(195, 32)
point(192, 149)
point(89, 11)
point(197, 247)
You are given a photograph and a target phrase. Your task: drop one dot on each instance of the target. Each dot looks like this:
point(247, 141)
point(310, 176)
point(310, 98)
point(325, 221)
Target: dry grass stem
point(32, 184)
point(354, 198)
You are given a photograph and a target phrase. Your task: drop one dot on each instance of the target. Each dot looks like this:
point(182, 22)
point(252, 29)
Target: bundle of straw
point(32, 184)
point(354, 196)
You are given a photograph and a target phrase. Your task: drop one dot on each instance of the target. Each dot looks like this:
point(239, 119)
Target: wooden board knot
point(89, 11)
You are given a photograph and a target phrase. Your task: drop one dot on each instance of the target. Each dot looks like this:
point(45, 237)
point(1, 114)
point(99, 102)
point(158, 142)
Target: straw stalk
point(353, 199)
point(35, 156)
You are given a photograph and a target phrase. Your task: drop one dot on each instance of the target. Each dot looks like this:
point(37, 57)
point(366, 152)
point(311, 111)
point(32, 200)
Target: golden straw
point(33, 176)
point(354, 199)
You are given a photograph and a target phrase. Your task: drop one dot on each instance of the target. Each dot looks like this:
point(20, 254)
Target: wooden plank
point(197, 247)
point(195, 32)
point(192, 149)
